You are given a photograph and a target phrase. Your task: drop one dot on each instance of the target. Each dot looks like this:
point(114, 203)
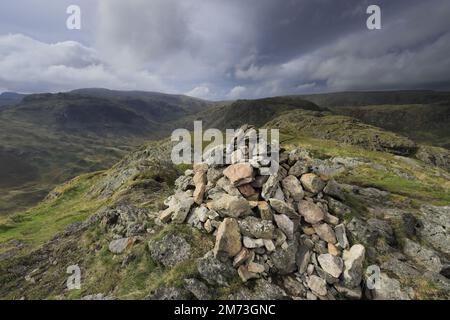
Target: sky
point(224, 49)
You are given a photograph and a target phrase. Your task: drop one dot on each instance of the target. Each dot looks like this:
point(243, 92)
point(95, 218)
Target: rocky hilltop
point(148, 229)
point(277, 229)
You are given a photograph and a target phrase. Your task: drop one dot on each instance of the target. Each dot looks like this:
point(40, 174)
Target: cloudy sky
point(224, 49)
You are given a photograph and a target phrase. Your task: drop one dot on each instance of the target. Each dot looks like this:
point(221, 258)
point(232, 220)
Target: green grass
point(429, 184)
point(41, 223)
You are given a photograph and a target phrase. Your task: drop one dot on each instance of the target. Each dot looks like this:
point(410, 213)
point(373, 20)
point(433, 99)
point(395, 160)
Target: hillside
point(49, 138)
point(424, 123)
point(108, 223)
point(10, 98)
point(367, 98)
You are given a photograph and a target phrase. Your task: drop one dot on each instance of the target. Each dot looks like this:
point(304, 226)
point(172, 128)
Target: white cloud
point(28, 65)
point(237, 92)
point(201, 92)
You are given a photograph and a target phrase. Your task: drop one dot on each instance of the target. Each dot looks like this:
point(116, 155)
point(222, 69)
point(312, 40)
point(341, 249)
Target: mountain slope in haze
point(10, 98)
point(257, 112)
point(49, 138)
point(366, 98)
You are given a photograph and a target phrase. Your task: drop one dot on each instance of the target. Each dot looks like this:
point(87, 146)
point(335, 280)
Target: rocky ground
point(228, 232)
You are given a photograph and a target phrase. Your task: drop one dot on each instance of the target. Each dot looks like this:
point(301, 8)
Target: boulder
point(325, 232)
point(341, 236)
point(265, 211)
point(197, 288)
point(334, 190)
point(317, 285)
point(331, 264)
point(353, 262)
point(170, 250)
point(282, 207)
point(270, 187)
point(200, 181)
point(292, 188)
point(239, 174)
point(225, 184)
point(257, 228)
point(214, 271)
point(230, 206)
point(299, 168)
point(312, 183)
point(389, 289)
point(284, 259)
point(285, 224)
point(179, 205)
point(118, 246)
point(311, 212)
point(246, 274)
point(228, 240)
point(423, 256)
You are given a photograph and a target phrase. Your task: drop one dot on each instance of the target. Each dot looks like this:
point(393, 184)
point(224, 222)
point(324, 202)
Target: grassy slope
point(428, 124)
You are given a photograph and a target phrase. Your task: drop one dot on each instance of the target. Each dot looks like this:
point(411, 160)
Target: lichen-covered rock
point(312, 183)
point(214, 271)
point(170, 250)
point(257, 228)
point(292, 188)
point(331, 264)
point(311, 212)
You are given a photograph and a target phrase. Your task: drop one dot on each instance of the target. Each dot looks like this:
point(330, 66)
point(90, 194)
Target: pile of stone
point(277, 228)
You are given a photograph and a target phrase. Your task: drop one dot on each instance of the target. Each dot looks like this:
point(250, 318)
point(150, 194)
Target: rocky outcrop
point(267, 228)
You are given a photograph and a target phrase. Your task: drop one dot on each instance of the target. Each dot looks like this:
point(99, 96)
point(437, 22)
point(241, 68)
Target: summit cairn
point(274, 227)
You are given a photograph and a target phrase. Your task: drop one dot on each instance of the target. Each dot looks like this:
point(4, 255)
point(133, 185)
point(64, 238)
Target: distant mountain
point(256, 112)
point(365, 98)
point(48, 138)
point(10, 98)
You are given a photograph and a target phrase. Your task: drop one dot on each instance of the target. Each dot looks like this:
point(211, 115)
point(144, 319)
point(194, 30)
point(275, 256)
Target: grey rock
point(334, 190)
point(284, 260)
point(170, 250)
point(317, 285)
point(225, 184)
point(312, 183)
point(299, 168)
point(257, 228)
point(303, 258)
point(197, 288)
point(168, 293)
point(292, 188)
point(214, 271)
point(423, 256)
point(285, 224)
point(282, 207)
point(262, 290)
point(331, 264)
point(389, 289)
point(118, 246)
point(353, 262)
point(341, 236)
point(270, 187)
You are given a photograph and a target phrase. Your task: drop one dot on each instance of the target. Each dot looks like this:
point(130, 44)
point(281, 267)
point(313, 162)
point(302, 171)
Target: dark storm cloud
point(229, 49)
